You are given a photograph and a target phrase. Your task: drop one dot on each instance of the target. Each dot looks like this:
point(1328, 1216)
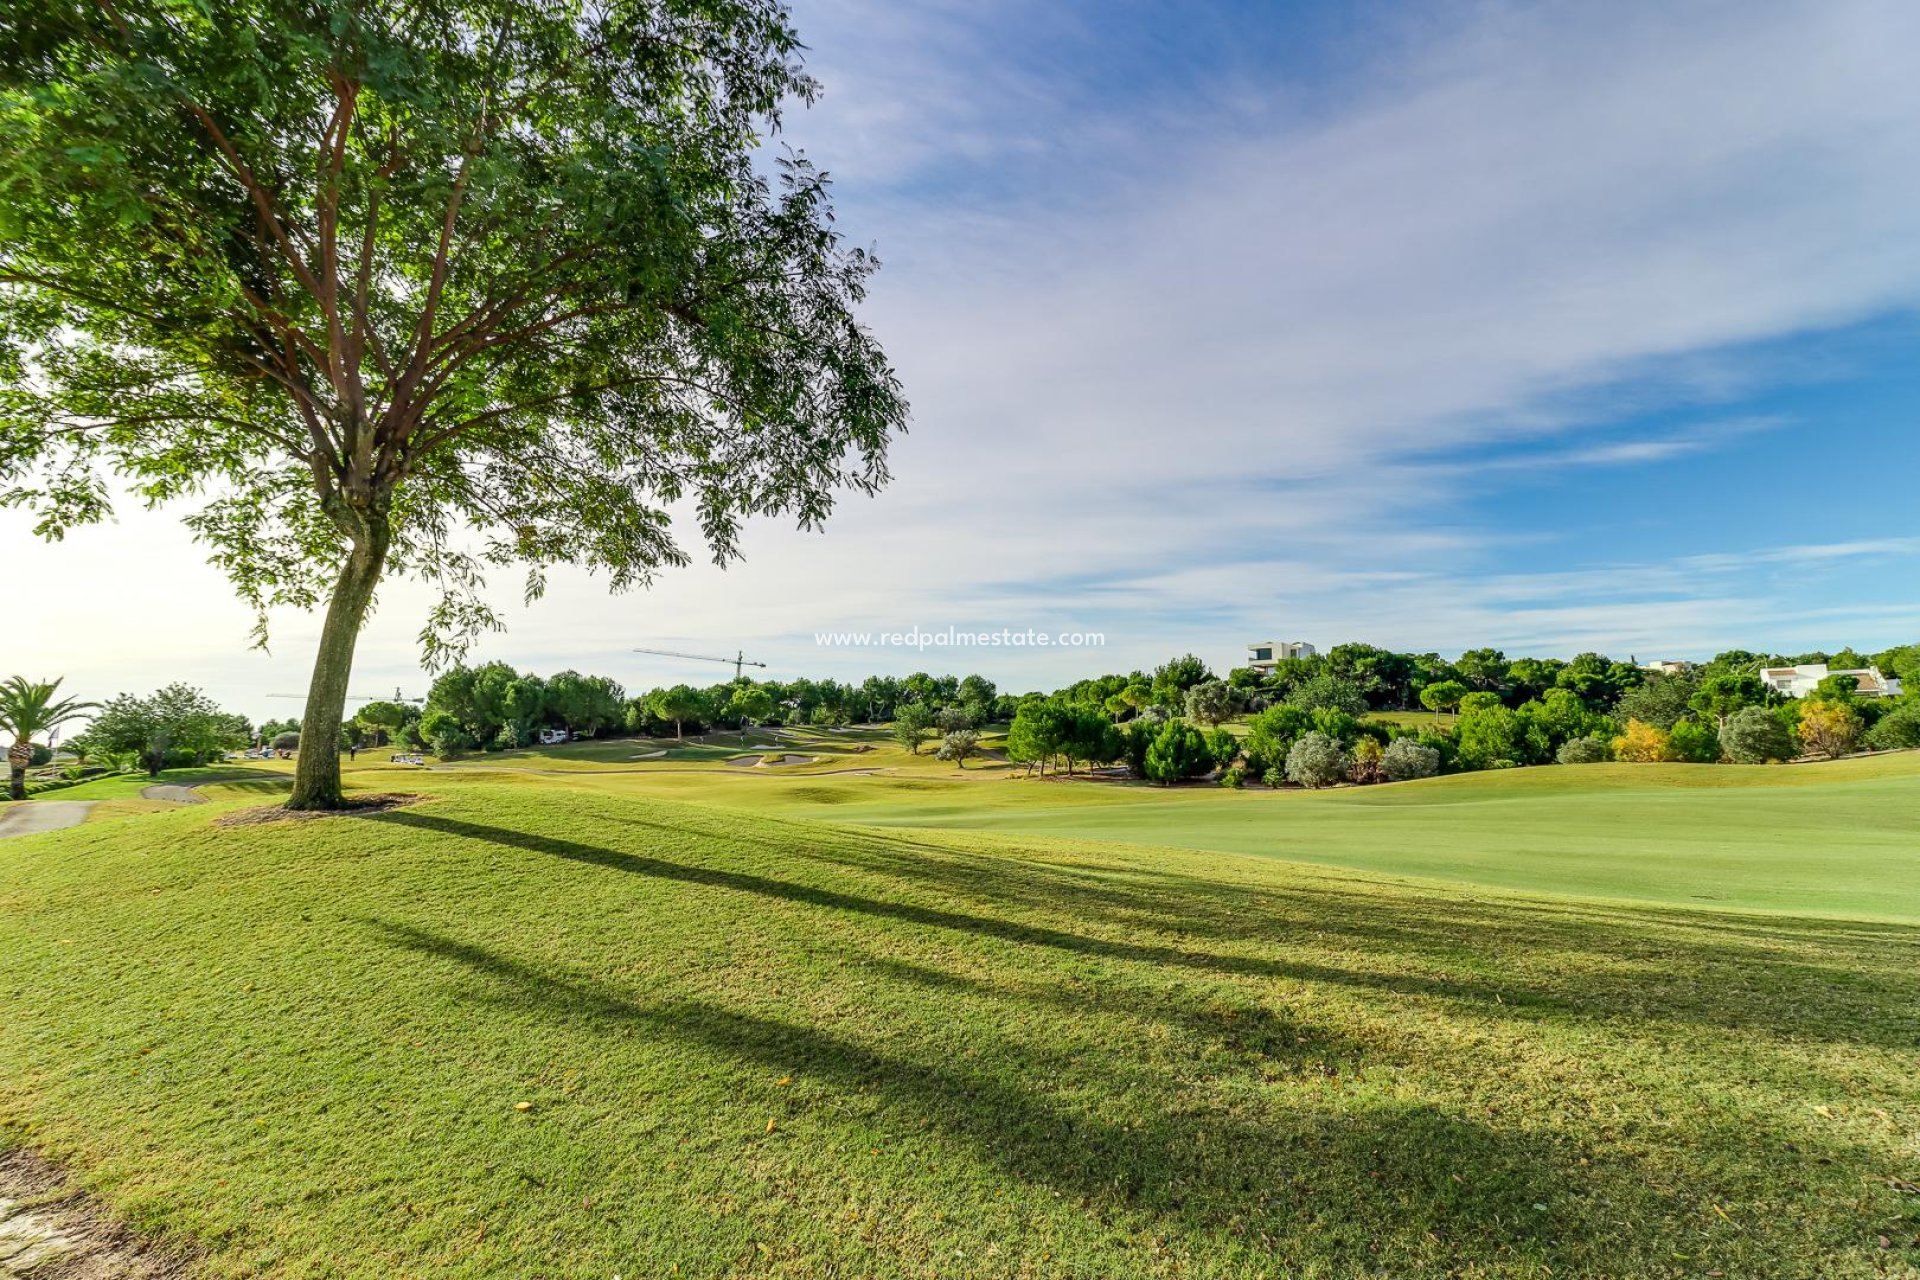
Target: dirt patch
point(357, 807)
point(172, 793)
point(767, 761)
point(50, 1230)
point(649, 755)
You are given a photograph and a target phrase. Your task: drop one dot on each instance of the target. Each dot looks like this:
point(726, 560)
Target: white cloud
point(1189, 377)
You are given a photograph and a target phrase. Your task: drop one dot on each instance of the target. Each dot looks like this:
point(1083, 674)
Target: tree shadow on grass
point(1326, 1185)
point(1599, 963)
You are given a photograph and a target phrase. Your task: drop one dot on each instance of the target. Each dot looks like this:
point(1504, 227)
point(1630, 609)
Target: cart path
point(30, 817)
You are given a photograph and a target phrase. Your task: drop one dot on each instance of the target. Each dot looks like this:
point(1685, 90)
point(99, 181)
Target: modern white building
point(1667, 667)
point(1801, 680)
point(1264, 655)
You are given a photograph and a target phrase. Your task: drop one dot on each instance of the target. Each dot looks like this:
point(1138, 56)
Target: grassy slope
point(1824, 839)
point(763, 1047)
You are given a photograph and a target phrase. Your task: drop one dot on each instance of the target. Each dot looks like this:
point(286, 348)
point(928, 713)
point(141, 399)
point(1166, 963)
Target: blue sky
point(1549, 326)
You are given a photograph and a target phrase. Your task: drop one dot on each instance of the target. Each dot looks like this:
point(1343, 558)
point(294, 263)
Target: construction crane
point(357, 697)
point(738, 661)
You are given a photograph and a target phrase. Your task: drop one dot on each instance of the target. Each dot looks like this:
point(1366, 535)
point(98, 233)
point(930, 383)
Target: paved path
point(26, 817)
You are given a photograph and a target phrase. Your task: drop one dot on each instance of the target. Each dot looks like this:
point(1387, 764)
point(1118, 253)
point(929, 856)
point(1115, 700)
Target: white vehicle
point(548, 737)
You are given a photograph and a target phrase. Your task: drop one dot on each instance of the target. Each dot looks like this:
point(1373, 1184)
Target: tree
point(285, 742)
point(1035, 734)
point(371, 278)
point(1663, 700)
point(389, 718)
point(1177, 751)
point(1272, 734)
point(912, 725)
point(1317, 761)
point(1829, 727)
point(1209, 702)
point(29, 708)
point(1444, 696)
point(1643, 743)
point(1499, 738)
point(1694, 742)
point(177, 720)
point(1756, 735)
point(976, 695)
point(1722, 696)
point(1329, 691)
point(679, 704)
point(951, 719)
point(585, 704)
point(1897, 730)
point(1171, 680)
point(958, 745)
point(1485, 668)
point(1406, 759)
point(752, 705)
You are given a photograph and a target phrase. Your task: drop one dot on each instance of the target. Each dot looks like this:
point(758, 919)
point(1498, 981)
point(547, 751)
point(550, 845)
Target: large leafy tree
point(29, 708)
point(177, 720)
point(422, 288)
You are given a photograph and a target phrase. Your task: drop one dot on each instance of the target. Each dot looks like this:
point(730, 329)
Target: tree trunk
point(19, 756)
point(316, 772)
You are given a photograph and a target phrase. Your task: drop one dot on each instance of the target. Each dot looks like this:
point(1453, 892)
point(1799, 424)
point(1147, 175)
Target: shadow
point(1785, 978)
point(1312, 1184)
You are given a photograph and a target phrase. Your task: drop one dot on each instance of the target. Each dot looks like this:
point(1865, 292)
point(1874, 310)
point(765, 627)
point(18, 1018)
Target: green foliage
point(1210, 702)
point(1592, 749)
point(1479, 701)
point(958, 746)
point(1406, 759)
point(363, 280)
point(1233, 778)
point(285, 741)
point(1757, 735)
point(1317, 761)
point(1272, 734)
point(1898, 729)
point(585, 704)
point(28, 709)
point(1694, 742)
point(1663, 700)
point(677, 705)
point(1498, 737)
point(912, 725)
point(1330, 692)
point(1178, 751)
point(1838, 687)
point(1171, 680)
point(1443, 696)
point(444, 732)
point(177, 723)
point(1723, 695)
point(1598, 680)
point(1222, 747)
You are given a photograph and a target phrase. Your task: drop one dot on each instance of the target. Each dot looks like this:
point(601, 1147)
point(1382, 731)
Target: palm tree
point(26, 708)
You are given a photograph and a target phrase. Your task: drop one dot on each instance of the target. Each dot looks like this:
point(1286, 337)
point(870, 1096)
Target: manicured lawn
point(1828, 839)
point(760, 1046)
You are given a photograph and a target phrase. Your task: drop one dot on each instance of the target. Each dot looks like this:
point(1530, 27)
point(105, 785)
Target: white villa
point(1798, 681)
point(1263, 656)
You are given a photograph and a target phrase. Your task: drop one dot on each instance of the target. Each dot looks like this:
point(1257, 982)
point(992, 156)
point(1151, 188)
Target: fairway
point(551, 1024)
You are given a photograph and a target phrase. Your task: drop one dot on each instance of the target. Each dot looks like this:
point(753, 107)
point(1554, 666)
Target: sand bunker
point(766, 762)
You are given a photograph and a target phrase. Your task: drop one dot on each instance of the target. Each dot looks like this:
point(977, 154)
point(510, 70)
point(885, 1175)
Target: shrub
point(1898, 728)
point(1223, 747)
point(1494, 737)
point(1233, 778)
point(1364, 761)
point(1755, 735)
point(1406, 759)
point(1209, 702)
point(1329, 691)
point(1272, 735)
point(1591, 749)
point(1694, 742)
point(1337, 724)
point(1829, 727)
point(1316, 761)
point(1642, 743)
point(1274, 777)
point(1178, 751)
point(285, 742)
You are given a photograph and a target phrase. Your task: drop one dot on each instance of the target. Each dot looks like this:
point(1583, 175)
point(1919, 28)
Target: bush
point(1756, 735)
point(1897, 729)
point(1233, 778)
point(1178, 751)
point(1498, 738)
point(1406, 759)
point(1274, 777)
point(1831, 728)
point(958, 745)
point(1591, 749)
point(285, 742)
point(1223, 747)
point(1329, 691)
point(1365, 767)
point(1317, 761)
point(1694, 742)
point(1272, 735)
point(1643, 743)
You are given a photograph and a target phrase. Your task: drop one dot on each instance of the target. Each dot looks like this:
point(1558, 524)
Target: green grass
point(759, 1045)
